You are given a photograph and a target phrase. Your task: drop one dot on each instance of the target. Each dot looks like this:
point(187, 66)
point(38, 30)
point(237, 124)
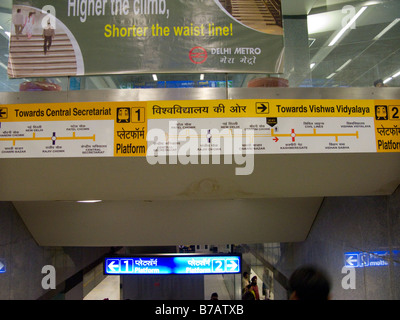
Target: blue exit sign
point(173, 264)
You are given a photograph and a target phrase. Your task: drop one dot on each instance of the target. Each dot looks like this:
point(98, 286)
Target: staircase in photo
point(27, 58)
point(256, 14)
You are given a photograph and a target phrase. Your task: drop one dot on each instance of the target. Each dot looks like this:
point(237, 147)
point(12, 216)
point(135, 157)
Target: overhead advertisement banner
point(198, 127)
point(87, 37)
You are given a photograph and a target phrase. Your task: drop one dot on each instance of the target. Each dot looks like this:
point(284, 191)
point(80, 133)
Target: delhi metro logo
point(198, 55)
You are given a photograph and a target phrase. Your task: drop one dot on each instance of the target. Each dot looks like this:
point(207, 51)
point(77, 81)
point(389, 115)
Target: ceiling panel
point(163, 223)
point(370, 58)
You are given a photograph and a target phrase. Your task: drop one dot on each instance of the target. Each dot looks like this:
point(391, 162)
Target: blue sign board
point(366, 259)
point(2, 266)
point(176, 264)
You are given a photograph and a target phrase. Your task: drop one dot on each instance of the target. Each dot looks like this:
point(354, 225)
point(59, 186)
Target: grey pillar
point(297, 54)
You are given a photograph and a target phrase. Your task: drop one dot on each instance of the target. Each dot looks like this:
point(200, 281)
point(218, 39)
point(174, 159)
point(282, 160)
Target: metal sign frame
point(167, 264)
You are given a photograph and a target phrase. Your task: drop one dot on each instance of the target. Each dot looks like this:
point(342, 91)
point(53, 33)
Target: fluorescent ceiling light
point(3, 65)
point(202, 76)
point(371, 3)
point(396, 75)
point(344, 65)
point(312, 65)
point(390, 26)
point(155, 77)
point(387, 80)
point(347, 26)
point(331, 75)
point(316, 23)
point(89, 201)
point(7, 33)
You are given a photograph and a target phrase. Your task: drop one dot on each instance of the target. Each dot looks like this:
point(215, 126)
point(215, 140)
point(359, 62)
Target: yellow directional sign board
point(262, 126)
point(387, 125)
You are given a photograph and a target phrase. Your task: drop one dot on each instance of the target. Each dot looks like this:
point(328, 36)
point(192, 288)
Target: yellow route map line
point(314, 134)
point(53, 138)
point(271, 135)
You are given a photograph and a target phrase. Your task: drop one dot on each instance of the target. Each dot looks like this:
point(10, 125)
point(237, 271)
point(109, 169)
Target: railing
point(258, 261)
point(274, 6)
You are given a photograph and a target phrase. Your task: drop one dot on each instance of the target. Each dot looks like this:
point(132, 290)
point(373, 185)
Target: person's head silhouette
point(309, 283)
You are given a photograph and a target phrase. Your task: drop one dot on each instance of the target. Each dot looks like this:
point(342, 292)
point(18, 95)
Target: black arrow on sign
point(3, 112)
point(263, 107)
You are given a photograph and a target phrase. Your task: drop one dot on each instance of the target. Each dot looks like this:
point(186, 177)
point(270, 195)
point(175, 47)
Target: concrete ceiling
point(157, 205)
point(358, 58)
point(170, 222)
point(146, 205)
